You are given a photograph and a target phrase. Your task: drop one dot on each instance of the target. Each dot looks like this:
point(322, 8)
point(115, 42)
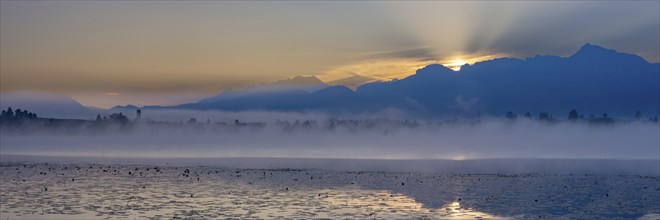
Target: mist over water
point(382, 138)
point(467, 167)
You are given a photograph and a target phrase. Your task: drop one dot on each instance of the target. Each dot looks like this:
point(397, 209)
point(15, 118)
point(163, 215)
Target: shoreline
point(467, 166)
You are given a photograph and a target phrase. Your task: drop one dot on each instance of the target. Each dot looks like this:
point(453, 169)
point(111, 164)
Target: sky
point(105, 53)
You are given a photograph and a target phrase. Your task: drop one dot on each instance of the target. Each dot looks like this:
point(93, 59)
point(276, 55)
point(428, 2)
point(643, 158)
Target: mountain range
point(594, 80)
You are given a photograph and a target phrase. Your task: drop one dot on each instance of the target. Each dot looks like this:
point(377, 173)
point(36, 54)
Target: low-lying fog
point(378, 139)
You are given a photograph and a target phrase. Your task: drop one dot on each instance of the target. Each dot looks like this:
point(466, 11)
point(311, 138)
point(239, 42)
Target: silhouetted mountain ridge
point(594, 80)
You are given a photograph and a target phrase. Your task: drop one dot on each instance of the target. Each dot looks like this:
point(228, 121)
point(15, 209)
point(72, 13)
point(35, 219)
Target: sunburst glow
point(455, 64)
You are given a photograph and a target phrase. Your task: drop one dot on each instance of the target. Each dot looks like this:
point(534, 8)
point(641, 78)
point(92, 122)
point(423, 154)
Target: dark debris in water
point(146, 192)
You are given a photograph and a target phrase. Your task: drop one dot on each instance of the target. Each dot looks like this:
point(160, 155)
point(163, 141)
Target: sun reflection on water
point(453, 210)
point(386, 204)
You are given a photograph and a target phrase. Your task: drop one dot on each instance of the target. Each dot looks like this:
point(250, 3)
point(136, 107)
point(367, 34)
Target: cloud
point(380, 69)
point(559, 27)
point(422, 54)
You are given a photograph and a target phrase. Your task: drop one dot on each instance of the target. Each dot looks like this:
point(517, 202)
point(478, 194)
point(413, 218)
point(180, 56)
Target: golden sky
point(150, 52)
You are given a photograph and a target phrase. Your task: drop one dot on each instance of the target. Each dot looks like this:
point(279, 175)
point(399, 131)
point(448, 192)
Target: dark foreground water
point(116, 188)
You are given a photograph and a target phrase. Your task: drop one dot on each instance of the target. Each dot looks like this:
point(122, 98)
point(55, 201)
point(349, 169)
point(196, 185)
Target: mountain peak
point(587, 45)
point(592, 53)
point(592, 48)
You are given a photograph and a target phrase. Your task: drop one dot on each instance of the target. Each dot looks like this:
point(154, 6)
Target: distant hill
point(124, 108)
point(128, 110)
point(295, 84)
point(594, 80)
point(307, 83)
point(47, 105)
point(353, 81)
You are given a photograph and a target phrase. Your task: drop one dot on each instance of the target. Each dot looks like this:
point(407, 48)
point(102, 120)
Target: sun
point(455, 64)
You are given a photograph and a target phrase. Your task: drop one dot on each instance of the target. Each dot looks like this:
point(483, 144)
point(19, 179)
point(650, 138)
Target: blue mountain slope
point(297, 83)
point(281, 100)
point(594, 80)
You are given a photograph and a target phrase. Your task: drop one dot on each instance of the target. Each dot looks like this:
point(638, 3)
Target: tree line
point(17, 114)
point(573, 115)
